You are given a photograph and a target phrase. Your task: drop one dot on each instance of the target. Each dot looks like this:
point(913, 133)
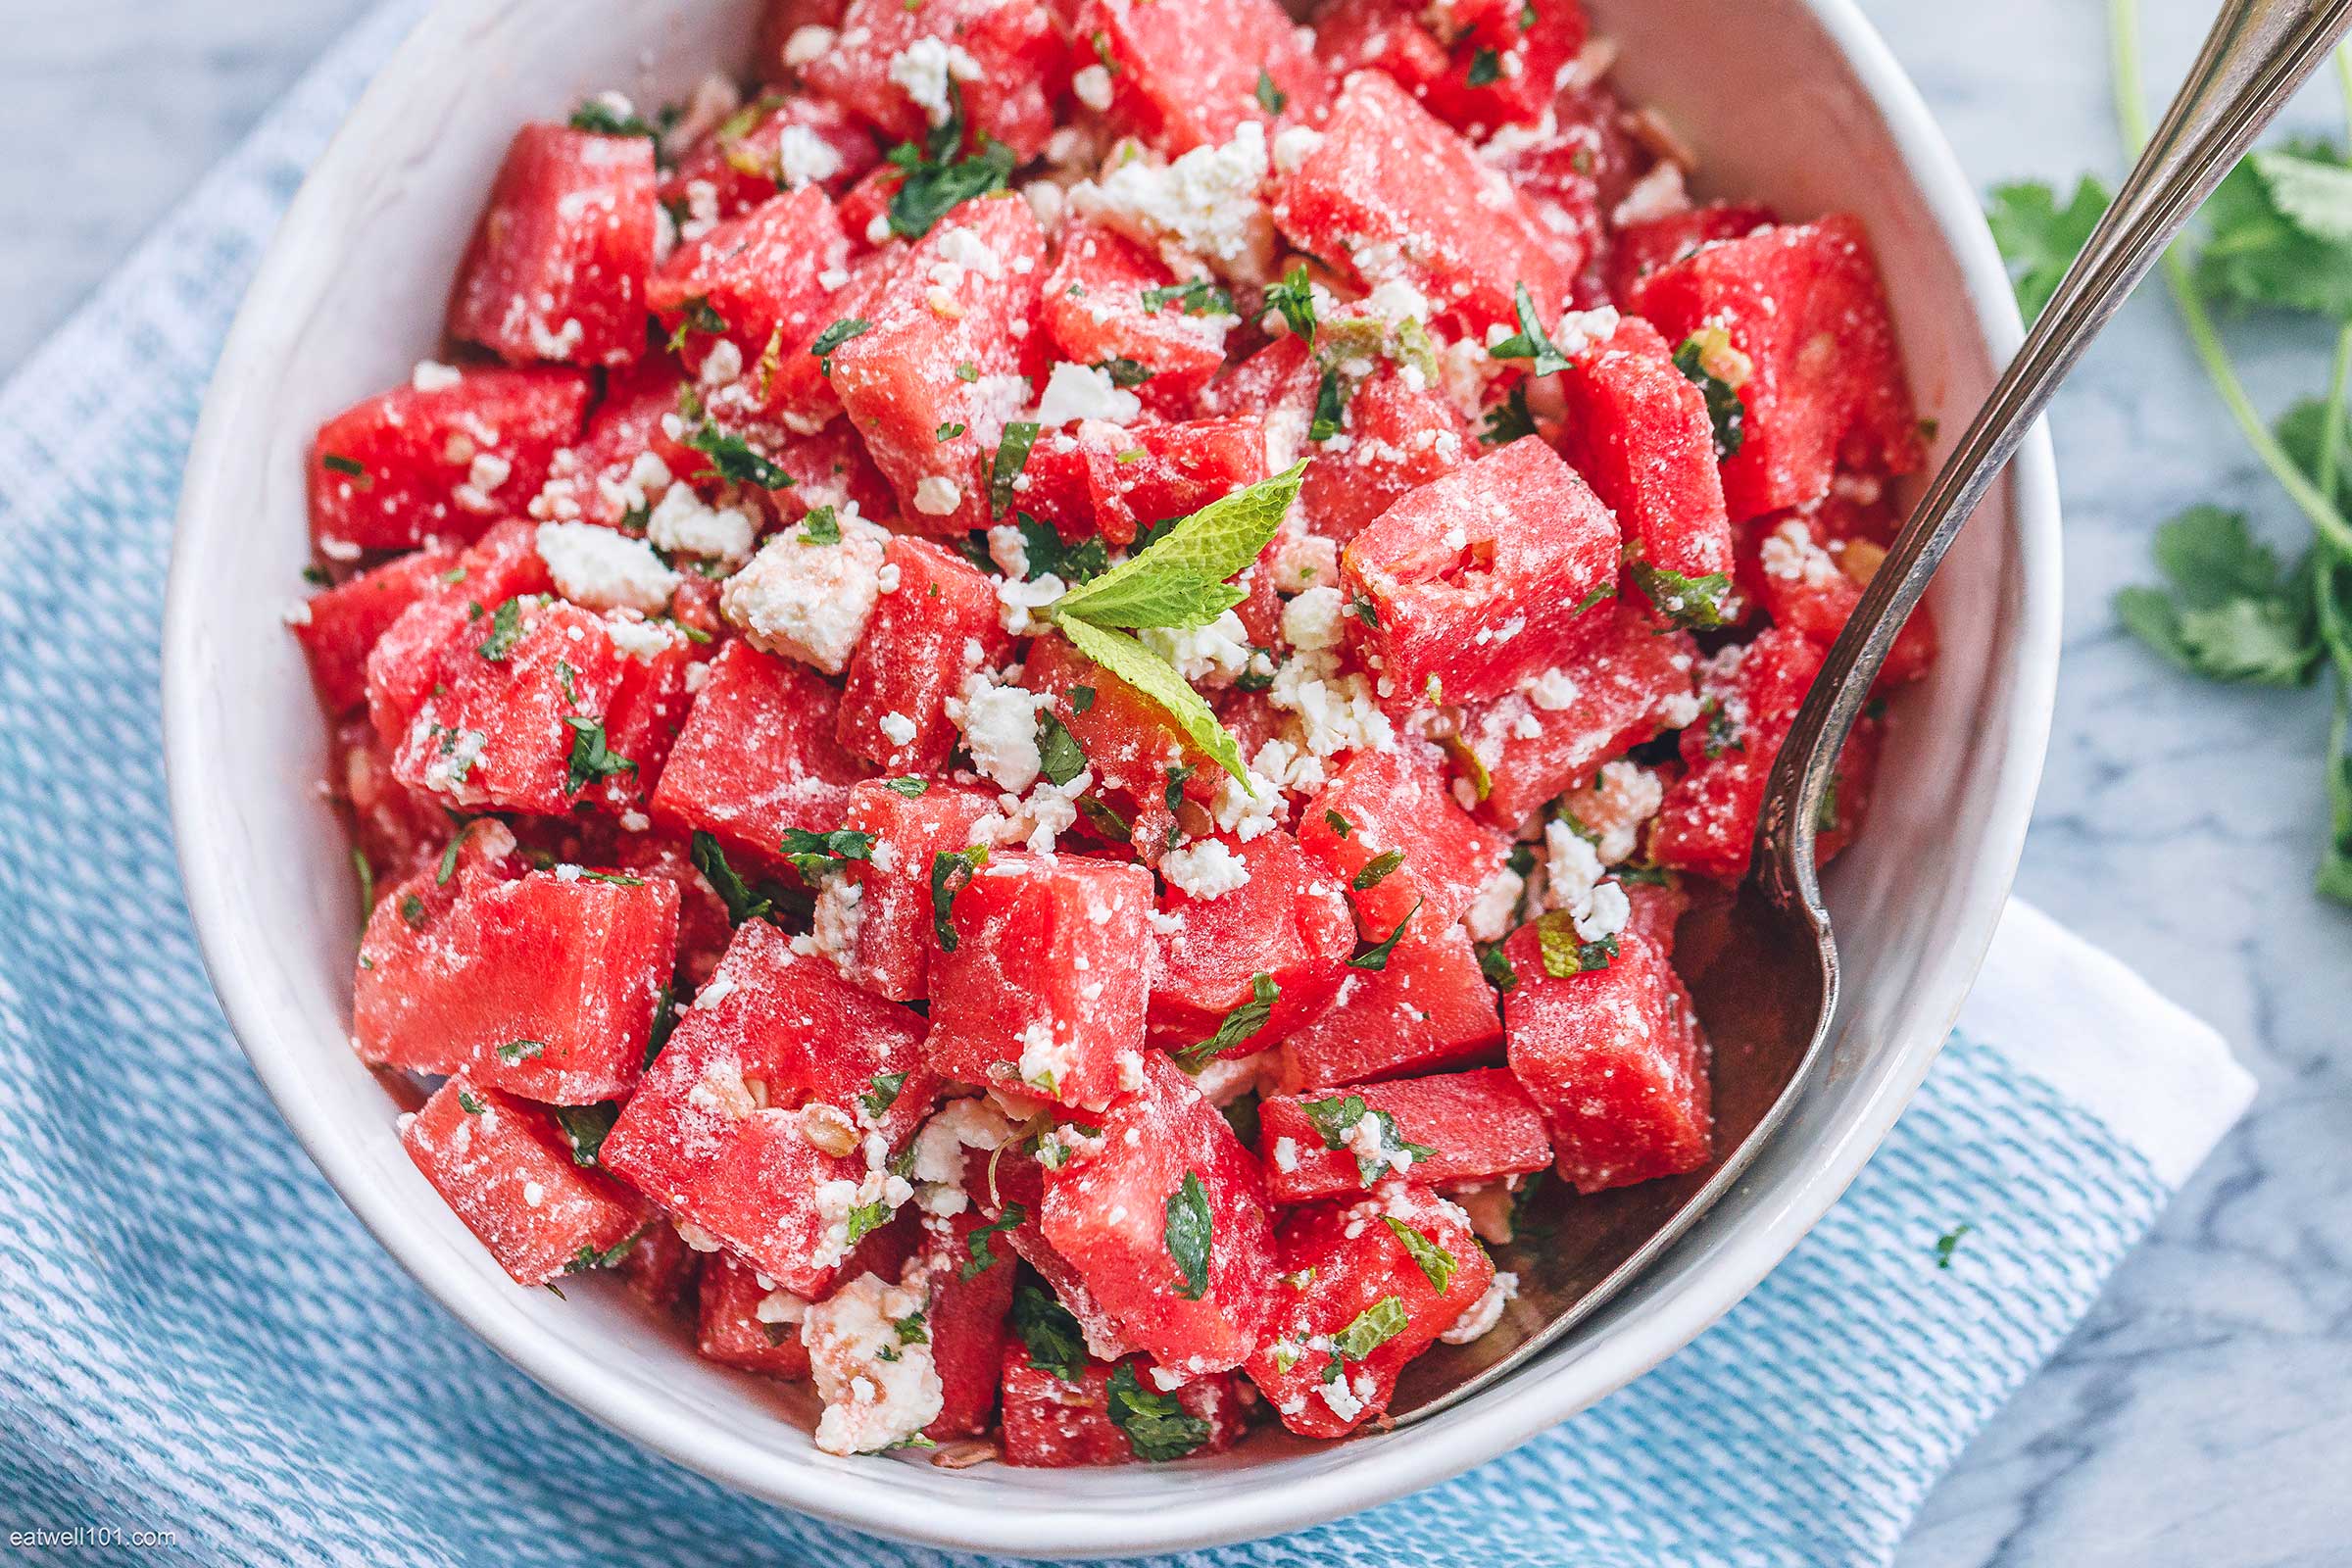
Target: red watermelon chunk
point(777, 1065)
point(1803, 302)
point(396, 829)
point(1388, 828)
point(1394, 193)
point(337, 626)
point(517, 721)
point(1289, 925)
point(505, 1166)
point(1057, 1423)
point(1400, 438)
point(965, 1320)
point(600, 478)
point(798, 390)
point(1102, 479)
point(1355, 1301)
point(1640, 249)
point(1637, 428)
point(771, 144)
point(1430, 1009)
point(1134, 751)
point(1005, 58)
point(935, 626)
point(543, 985)
point(1109, 298)
point(441, 462)
point(1042, 988)
point(757, 755)
point(1016, 1180)
point(1812, 581)
point(648, 709)
point(1615, 1059)
point(931, 384)
point(663, 1272)
point(892, 956)
point(740, 1323)
point(556, 269)
point(1634, 680)
point(754, 283)
point(1475, 1126)
point(1111, 1210)
point(1186, 76)
point(1478, 579)
point(1572, 174)
point(1476, 63)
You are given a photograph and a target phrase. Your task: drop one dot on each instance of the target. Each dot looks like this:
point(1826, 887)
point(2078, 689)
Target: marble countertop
point(2200, 1416)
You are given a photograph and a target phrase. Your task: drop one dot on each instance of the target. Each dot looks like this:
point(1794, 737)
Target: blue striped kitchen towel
point(197, 1338)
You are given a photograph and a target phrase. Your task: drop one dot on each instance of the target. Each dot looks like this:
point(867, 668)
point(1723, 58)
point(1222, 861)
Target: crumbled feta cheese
point(1624, 795)
point(1655, 195)
point(925, 66)
point(808, 600)
point(1285, 1155)
point(807, 45)
point(1790, 555)
point(641, 640)
point(1208, 869)
point(898, 728)
point(936, 495)
point(604, 569)
point(1552, 690)
point(1214, 654)
point(1019, 599)
point(1083, 392)
point(1295, 145)
point(1305, 561)
point(804, 158)
point(1489, 917)
point(431, 376)
point(1580, 330)
point(839, 914)
point(1009, 549)
point(1336, 713)
point(1312, 620)
point(1092, 86)
point(1000, 728)
point(1045, 1061)
point(959, 1125)
point(1485, 1312)
point(685, 524)
point(1208, 203)
point(873, 1401)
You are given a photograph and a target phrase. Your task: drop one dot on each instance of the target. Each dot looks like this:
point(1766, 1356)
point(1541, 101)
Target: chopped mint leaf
point(591, 758)
point(1436, 1262)
point(1012, 456)
point(1059, 753)
point(1376, 957)
point(1295, 298)
point(1272, 99)
point(1508, 421)
point(1157, 1426)
point(983, 1255)
point(1336, 1119)
point(1565, 953)
point(818, 855)
point(1188, 1236)
point(1375, 1326)
point(1531, 342)
point(506, 630)
point(1057, 1344)
point(584, 1128)
point(1498, 970)
point(940, 175)
point(951, 870)
point(821, 526)
point(1947, 1242)
point(882, 1093)
point(1726, 414)
point(1245, 1019)
point(1486, 69)
point(1377, 870)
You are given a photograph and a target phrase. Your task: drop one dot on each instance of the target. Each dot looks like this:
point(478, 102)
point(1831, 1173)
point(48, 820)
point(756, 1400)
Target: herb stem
point(2133, 116)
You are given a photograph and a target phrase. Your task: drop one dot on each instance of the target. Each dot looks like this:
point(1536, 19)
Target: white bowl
point(1793, 101)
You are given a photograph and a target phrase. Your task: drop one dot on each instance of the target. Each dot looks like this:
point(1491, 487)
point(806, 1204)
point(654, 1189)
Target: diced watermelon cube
point(598, 478)
point(1005, 58)
point(1168, 1228)
point(337, 626)
point(1804, 302)
point(1012, 1180)
point(1393, 192)
point(1640, 249)
point(769, 1115)
point(1388, 828)
point(937, 625)
point(1055, 1423)
point(1107, 479)
point(1478, 579)
point(1812, 581)
point(780, 19)
point(1288, 924)
point(770, 145)
point(757, 755)
point(1400, 438)
point(1431, 1007)
point(1614, 1057)
point(741, 1324)
point(1186, 76)
point(1109, 298)
point(892, 956)
point(661, 1270)
point(931, 391)
point(965, 1320)
point(1042, 988)
point(543, 985)
point(1572, 172)
point(1638, 429)
point(556, 269)
point(1476, 63)
point(405, 662)
point(1476, 1126)
point(1357, 1301)
point(408, 468)
point(800, 387)
point(517, 721)
point(648, 709)
point(504, 1165)
point(1631, 681)
point(753, 282)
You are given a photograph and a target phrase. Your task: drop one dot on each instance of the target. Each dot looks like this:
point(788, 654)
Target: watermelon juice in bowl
point(1024, 701)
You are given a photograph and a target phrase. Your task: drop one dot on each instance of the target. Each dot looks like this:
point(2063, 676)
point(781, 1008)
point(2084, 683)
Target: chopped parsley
point(591, 758)
point(1156, 1424)
point(982, 1255)
point(1531, 342)
point(952, 871)
point(1056, 1342)
point(1188, 1238)
point(1245, 1020)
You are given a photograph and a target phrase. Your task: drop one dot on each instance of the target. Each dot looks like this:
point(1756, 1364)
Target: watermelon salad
point(1026, 707)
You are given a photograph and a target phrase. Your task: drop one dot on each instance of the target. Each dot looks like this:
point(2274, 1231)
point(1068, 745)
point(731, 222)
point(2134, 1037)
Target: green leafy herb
point(1057, 1344)
point(1375, 1326)
point(2279, 232)
point(603, 117)
point(349, 468)
point(1694, 604)
point(1012, 456)
point(1567, 954)
point(1155, 679)
point(2039, 239)
point(821, 526)
point(966, 371)
point(1377, 870)
point(834, 336)
point(1336, 1119)
point(940, 175)
point(1295, 298)
point(982, 1255)
point(948, 431)
point(1508, 421)
point(1245, 1019)
point(517, 1051)
point(1157, 1427)
point(1531, 342)
point(914, 789)
point(1059, 757)
point(1363, 610)
point(411, 911)
point(1046, 555)
point(818, 855)
point(1082, 698)
point(1106, 821)
point(710, 858)
point(882, 1092)
point(733, 460)
point(1436, 1262)
point(1180, 581)
point(1498, 970)
point(506, 630)
point(1199, 297)
point(952, 871)
point(1337, 823)
point(868, 1218)
point(366, 870)
point(910, 1329)
point(697, 316)
point(1241, 1114)
point(666, 1020)
point(1376, 957)
point(1110, 66)
point(471, 1104)
point(2230, 612)
point(1331, 410)
point(1726, 414)
point(588, 1257)
point(1188, 1238)
point(1486, 69)
point(591, 758)
point(1947, 1242)
point(1124, 371)
point(1272, 99)
point(584, 1128)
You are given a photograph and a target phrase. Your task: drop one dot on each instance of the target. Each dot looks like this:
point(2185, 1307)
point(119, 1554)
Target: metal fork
point(1762, 965)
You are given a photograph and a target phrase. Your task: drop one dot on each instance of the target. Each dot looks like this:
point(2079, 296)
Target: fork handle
point(2258, 52)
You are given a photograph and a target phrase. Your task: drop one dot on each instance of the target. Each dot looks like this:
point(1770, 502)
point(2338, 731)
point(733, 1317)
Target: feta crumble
point(604, 569)
point(808, 600)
